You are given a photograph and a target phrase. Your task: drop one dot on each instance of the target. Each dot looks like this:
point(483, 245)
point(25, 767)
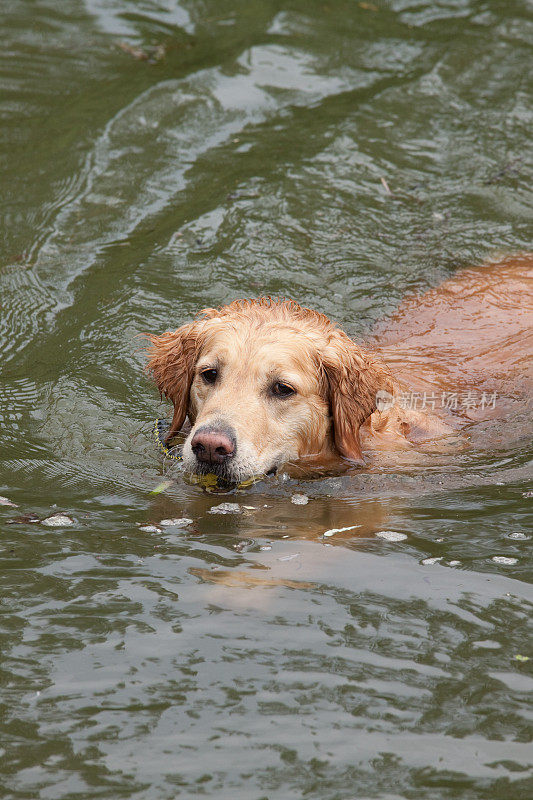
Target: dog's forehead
point(274, 344)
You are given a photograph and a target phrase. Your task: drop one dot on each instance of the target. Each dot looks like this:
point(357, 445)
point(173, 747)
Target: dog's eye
point(281, 389)
point(209, 375)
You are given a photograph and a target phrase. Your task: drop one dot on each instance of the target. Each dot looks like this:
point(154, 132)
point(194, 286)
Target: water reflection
point(415, 690)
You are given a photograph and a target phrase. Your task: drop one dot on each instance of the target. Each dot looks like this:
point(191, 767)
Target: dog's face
point(264, 383)
point(256, 401)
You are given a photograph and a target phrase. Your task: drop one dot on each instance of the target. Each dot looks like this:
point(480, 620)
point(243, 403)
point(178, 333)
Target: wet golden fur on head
point(339, 380)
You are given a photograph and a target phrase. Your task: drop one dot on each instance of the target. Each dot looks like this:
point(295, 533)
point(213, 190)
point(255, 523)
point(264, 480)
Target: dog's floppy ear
point(172, 357)
point(354, 379)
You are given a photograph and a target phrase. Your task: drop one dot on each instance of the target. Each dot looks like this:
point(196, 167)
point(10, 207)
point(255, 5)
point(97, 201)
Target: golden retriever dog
point(266, 383)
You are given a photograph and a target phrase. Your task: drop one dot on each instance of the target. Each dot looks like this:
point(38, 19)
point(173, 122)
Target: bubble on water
point(527, 494)
point(266, 547)
point(5, 501)
point(58, 521)
point(429, 561)
point(455, 563)
point(149, 528)
point(177, 522)
point(226, 508)
point(518, 535)
point(504, 560)
point(299, 499)
point(392, 536)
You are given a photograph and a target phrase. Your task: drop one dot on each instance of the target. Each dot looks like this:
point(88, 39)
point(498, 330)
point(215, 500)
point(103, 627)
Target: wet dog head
point(263, 383)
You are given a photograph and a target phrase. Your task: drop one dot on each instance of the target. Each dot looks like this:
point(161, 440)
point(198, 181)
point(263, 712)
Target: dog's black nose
point(212, 446)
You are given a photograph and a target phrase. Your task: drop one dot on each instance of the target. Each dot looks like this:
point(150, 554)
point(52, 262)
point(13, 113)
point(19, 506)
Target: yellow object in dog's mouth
point(209, 482)
point(212, 483)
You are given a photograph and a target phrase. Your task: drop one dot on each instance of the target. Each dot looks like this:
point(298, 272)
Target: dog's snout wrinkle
point(212, 446)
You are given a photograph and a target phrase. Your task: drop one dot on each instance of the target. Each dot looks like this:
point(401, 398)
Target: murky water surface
point(158, 157)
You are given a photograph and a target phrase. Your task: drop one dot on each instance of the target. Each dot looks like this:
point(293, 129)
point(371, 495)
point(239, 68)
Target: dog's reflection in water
point(238, 579)
point(285, 526)
point(269, 517)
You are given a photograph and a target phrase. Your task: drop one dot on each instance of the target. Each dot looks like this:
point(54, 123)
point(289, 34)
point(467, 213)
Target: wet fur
point(339, 379)
point(347, 377)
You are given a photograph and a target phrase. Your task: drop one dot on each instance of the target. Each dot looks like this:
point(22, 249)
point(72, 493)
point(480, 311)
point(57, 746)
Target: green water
point(245, 156)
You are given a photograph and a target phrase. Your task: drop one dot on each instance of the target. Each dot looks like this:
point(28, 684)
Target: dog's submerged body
point(267, 383)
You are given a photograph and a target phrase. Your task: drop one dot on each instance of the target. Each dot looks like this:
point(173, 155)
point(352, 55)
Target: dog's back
point(474, 330)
